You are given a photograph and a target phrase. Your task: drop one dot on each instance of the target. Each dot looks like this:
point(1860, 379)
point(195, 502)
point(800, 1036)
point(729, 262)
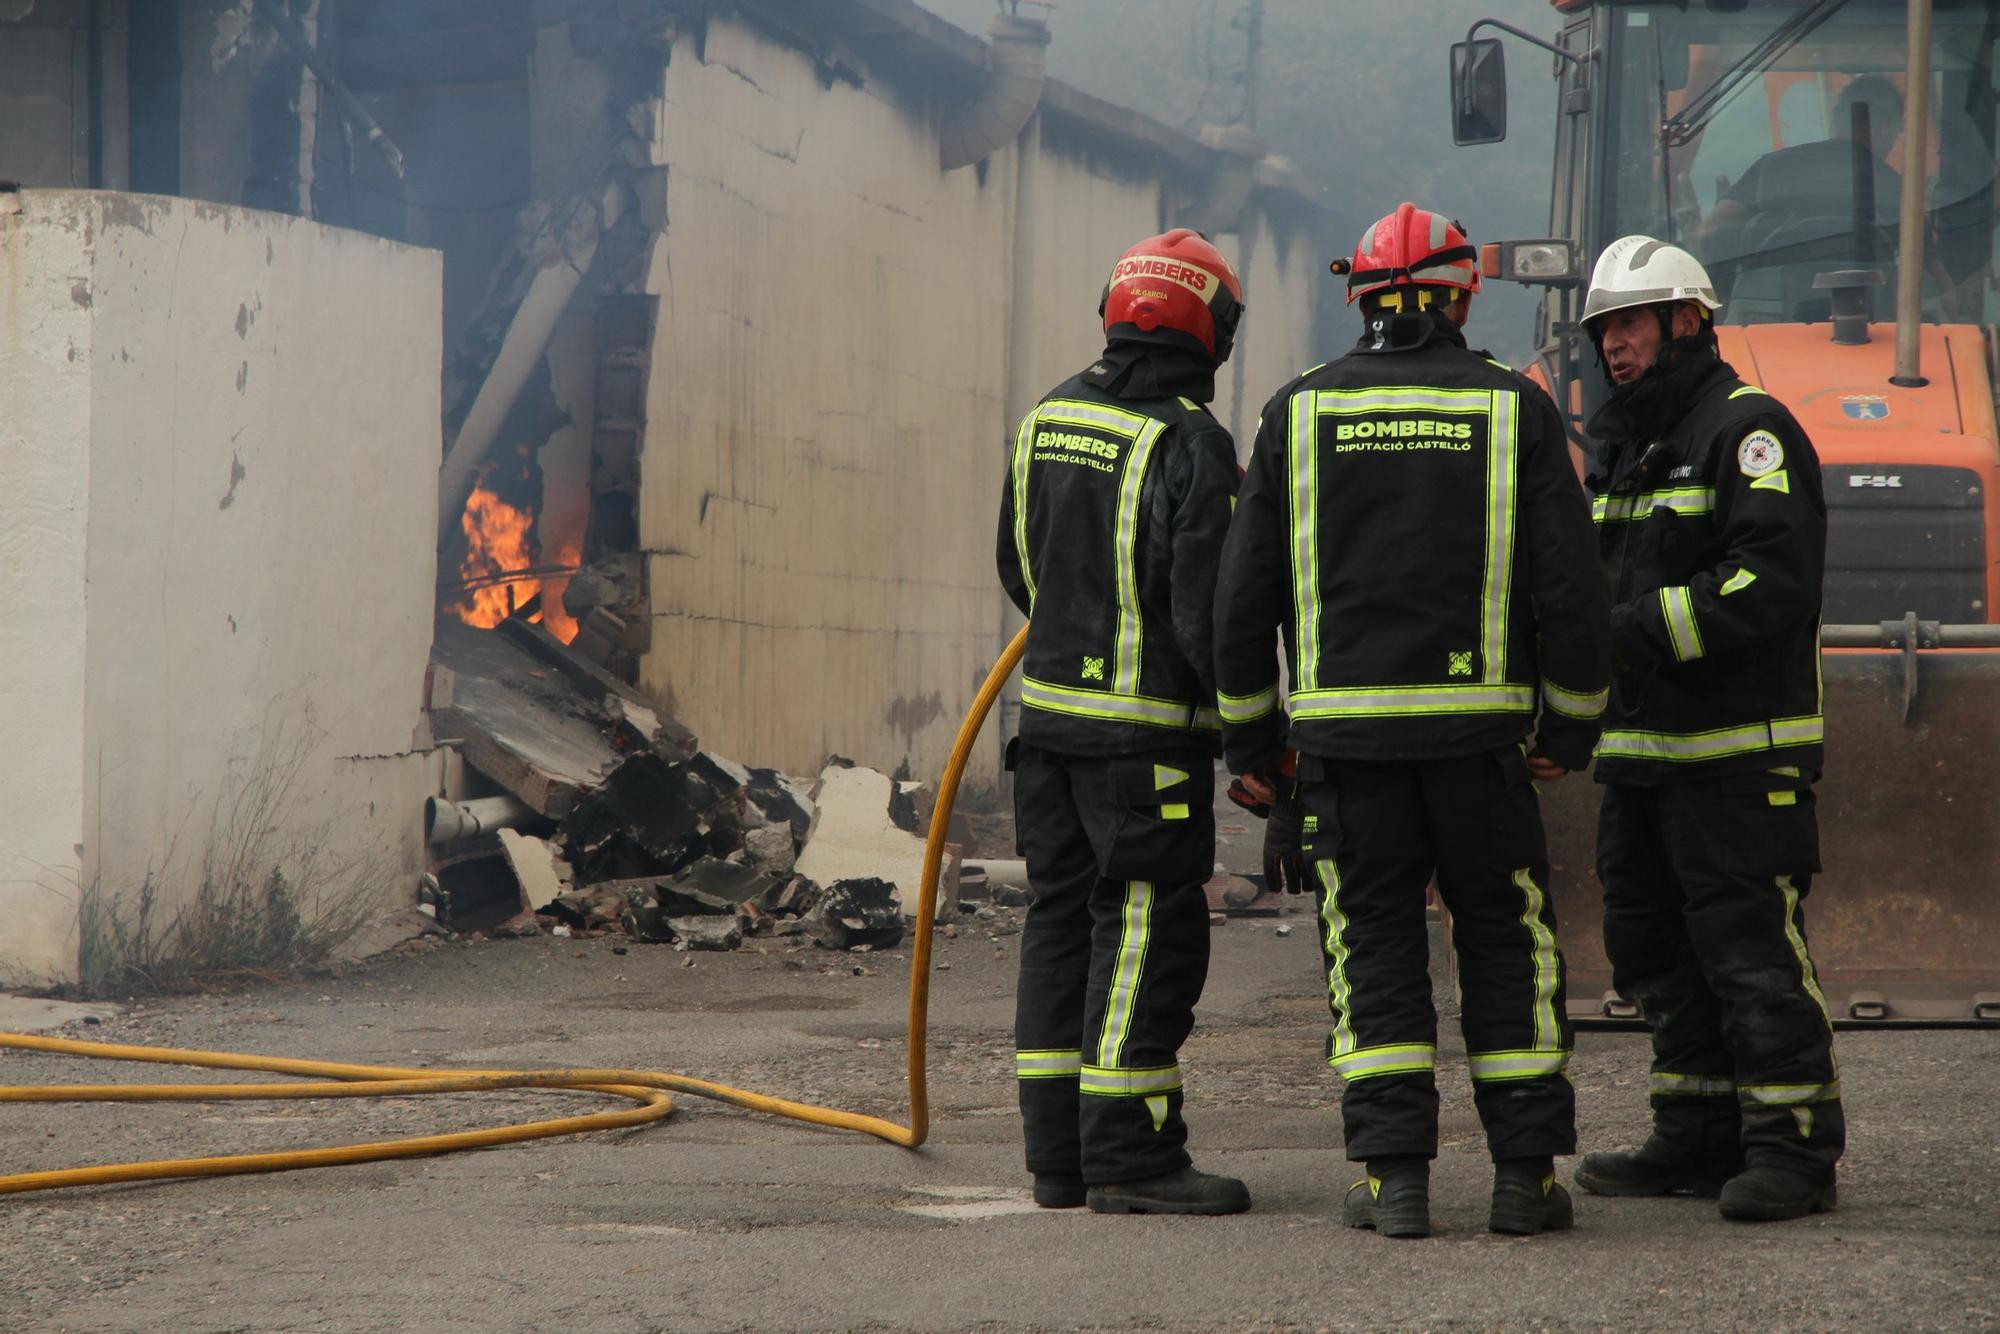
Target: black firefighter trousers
point(1374, 836)
point(1702, 889)
point(1114, 953)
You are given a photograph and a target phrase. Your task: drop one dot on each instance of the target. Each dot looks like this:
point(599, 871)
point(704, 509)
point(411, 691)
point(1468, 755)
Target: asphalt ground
point(722, 1220)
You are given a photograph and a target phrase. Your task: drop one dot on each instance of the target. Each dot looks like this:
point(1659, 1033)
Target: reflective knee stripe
point(1679, 499)
point(1247, 708)
point(1548, 963)
point(1063, 1064)
point(1333, 939)
point(1570, 704)
point(1787, 1095)
point(1110, 1082)
point(1024, 453)
point(1392, 701)
point(1494, 1066)
point(1798, 942)
point(1677, 608)
point(1303, 453)
point(1131, 624)
point(1126, 969)
point(1504, 406)
point(1407, 1058)
point(1690, 747)
point(1666, 1084)
point(1115, 708)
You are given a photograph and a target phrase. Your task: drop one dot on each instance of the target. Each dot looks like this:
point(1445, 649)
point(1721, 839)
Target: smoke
point(1354, 93)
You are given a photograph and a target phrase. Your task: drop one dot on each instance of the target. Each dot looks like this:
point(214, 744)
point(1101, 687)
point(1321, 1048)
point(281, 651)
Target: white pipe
point(1910, 232)
point(1017, 65)
point(450, 821)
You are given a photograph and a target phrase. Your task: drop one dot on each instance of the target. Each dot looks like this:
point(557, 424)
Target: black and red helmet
point(1177, 282)
point(1412, 247)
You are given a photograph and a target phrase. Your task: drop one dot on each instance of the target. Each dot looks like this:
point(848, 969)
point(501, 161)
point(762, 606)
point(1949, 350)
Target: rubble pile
point(627, 826)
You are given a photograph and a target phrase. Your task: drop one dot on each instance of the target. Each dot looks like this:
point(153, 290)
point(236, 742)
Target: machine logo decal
point(1759, 453)
point(1864, 407)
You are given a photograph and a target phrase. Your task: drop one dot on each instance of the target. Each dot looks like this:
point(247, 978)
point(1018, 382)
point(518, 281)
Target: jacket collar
point(1389, 332)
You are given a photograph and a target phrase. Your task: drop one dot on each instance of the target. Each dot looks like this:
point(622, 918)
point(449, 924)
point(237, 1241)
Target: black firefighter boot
point(1182, 1192)
point(1059, 1190)
point(1685, 1155)
point(1394, 1198)
point(1527, 1199)
point(1790, 1174)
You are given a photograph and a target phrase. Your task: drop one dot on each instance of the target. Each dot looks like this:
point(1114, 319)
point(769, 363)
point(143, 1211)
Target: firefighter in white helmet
point(1712, 528)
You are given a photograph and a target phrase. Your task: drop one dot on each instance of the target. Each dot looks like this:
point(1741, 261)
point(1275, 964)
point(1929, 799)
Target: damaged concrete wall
point(846, 336)
point(236, 497)
point(824, 414)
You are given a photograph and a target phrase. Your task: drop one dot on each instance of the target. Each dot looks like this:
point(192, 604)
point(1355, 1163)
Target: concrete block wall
point(219, 433)
point(846, 337)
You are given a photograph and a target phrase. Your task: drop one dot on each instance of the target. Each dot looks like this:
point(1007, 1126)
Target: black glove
point(1284, 862)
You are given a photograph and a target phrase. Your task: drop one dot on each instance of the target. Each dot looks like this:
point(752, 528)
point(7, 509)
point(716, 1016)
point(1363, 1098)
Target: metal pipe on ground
point(450, 821)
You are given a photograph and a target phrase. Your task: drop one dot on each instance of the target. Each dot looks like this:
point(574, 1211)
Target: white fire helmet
point(1640, 271)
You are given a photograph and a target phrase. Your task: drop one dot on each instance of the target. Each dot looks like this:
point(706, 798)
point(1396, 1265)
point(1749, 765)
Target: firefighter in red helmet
point(1411, 524)
point(1112, 520)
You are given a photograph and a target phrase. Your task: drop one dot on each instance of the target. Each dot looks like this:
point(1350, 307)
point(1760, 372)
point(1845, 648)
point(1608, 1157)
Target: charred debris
point(599, 815)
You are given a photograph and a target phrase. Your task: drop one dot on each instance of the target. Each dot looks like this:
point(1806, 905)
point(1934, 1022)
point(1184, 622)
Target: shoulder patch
point(1760, 453)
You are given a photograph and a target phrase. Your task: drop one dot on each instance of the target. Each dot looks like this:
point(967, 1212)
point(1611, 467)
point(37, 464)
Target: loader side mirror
point(1478, 91)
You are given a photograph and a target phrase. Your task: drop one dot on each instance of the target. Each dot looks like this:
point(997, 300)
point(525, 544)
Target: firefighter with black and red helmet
point(1411, 523)
point(1117, 499)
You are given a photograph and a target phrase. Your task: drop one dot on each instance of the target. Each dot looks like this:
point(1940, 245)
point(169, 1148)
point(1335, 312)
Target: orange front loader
point(1860, 288)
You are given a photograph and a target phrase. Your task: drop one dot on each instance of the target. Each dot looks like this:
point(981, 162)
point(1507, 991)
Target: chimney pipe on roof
point(1017, 64)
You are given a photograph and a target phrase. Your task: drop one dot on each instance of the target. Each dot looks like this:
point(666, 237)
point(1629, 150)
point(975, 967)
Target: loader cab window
point(1733, 134)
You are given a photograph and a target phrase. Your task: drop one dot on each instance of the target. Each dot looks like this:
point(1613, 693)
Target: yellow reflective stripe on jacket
point(1788, 1095)
point(1134, 939)
point(1679, 499)
point(1059, 1064)
point(1131, 622)
point(1677, 609)
point(1105, 705)
point(1497, 585)
point(1746, 391)
point(1076, 412)
point(1024, 452)
point(1570, 704)
point(1247, 708)
point(1715, 745)
point(1666, 1084)
point(1737, 582)
point(1390, 701)
point(1495, 1067)
point(1302, 452)
point(1373, 1062)
point(1111, 1082)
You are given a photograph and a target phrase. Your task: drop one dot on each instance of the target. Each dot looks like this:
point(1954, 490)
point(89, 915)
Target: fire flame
point(499, 542)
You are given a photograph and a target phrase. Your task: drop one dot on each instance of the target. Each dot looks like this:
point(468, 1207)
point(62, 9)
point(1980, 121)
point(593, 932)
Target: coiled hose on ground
point(651, 1090)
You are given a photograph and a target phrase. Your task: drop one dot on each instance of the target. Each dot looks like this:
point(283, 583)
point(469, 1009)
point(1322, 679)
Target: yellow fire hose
point(649, 1089)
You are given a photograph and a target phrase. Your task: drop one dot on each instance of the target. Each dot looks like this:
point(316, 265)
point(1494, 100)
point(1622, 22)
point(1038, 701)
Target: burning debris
point(611, 818)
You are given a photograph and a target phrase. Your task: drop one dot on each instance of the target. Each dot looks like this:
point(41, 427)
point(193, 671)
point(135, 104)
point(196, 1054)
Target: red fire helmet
point(1412, 247)
point(1176, 281)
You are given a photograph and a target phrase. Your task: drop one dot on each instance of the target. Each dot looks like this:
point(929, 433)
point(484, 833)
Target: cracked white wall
point(227, 423)
point(846, 337)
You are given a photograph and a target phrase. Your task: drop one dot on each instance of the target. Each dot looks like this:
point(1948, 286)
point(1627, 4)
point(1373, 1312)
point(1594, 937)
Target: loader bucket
point(1904, 922)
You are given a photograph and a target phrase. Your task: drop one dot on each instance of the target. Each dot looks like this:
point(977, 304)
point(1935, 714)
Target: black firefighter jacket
point(1712, 525)
point(1111, 527)
point(1411, 520)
